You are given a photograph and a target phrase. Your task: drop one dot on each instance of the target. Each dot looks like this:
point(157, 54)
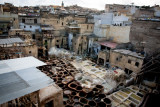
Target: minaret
point(62, 4)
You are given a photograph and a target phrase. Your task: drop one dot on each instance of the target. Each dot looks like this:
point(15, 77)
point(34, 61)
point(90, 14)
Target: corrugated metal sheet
point(112, 45)
point(10, 41)
point(19, 83)
point(19, 63)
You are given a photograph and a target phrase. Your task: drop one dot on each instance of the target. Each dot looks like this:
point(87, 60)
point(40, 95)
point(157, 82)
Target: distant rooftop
point(10, 41)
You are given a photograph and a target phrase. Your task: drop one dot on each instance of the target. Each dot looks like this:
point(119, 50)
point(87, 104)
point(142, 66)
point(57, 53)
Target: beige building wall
point(31, 50)
point(80, 19)
point(57, 23)
point(125, 61)
point(54, 22)
point(103, 55)
point(86, 28)
point(118, 34)
point(52, 94)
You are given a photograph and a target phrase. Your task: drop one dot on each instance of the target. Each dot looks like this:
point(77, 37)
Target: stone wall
point(144, 35)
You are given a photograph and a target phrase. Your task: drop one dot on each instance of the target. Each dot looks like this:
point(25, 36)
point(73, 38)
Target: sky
point(97, 4)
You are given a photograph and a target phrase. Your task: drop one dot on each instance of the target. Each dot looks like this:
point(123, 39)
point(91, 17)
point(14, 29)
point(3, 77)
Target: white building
point(120, 20)
point(30, 27)
point(102, 22)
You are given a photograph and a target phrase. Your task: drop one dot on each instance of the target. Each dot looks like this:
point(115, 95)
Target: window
point(57, 22)
point(129, 61)
point(97, 50)
point(49, 104)
point(30, 26)
point(137, 64)
point(57, 40)
point(87, 26)
point(91, 27)
point(103, 47)
point(23, 20)
point(33, 36)
point(127, 71)
point(117, 59)
point(35, 20)
point(30, 52)
point(14, 19)
point(62, 23)
point(24, 26)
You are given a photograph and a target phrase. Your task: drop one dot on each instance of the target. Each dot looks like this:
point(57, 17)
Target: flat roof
point(73, 27)
point(128, 52)
point(21, 82)
point(19, 63)
point(10, 41)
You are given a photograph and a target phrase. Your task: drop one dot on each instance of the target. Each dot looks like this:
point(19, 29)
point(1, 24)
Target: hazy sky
point(98, 4)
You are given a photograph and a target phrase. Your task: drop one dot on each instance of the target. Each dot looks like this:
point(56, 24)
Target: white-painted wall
point(157, 11)
point(105, 20)
point(119, 20)
point(31, 28)
point(101, 21)
point(70, 38)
